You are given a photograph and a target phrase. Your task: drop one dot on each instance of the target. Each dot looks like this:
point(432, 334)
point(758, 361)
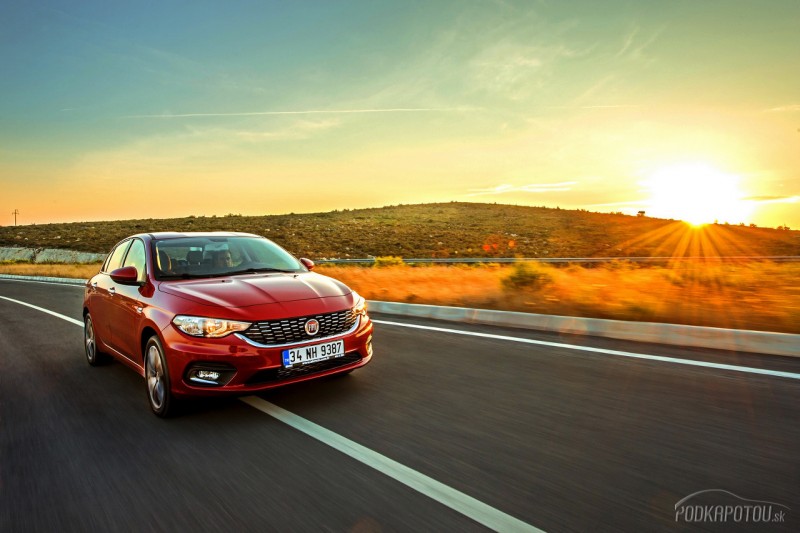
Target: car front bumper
point(231, 365)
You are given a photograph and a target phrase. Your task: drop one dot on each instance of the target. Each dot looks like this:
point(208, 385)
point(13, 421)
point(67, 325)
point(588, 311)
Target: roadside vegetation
point(755, 295)
point(59, 270)
point(438, 230)
point(759, 295)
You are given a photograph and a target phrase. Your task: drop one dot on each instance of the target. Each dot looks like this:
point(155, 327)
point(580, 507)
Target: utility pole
point(15, 212)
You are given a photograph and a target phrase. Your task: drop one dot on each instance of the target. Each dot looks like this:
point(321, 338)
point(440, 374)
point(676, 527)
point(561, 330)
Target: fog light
point(208, 374)
point(204, 377)
point(369, 346)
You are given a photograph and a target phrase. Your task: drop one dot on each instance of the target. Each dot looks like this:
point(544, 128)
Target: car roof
point(179, 235)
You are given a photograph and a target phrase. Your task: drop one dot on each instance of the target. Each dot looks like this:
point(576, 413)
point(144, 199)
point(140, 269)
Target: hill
point(440, 230)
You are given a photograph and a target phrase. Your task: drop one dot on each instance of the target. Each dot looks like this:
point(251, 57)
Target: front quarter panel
point(157, 317)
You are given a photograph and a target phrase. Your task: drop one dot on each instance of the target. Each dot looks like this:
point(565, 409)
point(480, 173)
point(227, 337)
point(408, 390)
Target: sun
point(697, 193)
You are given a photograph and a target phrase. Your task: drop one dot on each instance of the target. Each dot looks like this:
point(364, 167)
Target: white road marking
point(454, 499)
point(458, 501)
point(43, 310)
point(663, 359)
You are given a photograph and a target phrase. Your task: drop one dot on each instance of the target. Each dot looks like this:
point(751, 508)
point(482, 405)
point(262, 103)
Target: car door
point(102, 293)
point(127, 305)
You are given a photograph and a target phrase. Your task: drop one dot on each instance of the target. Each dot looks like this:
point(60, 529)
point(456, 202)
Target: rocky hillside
point(440, 230)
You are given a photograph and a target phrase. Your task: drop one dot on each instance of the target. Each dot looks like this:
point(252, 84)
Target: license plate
point(313, 353)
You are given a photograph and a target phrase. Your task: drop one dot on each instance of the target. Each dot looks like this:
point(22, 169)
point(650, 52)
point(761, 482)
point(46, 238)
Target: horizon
point(685, 110)
point(688, 224)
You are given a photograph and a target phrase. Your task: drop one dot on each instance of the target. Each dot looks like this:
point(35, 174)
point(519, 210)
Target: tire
point(93, 354)
point(156, 378)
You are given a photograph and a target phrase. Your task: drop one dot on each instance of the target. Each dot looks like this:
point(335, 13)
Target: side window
point(136, 258)
point(115, 261)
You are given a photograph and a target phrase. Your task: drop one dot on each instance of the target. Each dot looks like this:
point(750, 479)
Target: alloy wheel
point(155, 377)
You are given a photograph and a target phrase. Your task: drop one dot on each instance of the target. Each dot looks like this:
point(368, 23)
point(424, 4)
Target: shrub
point(389, 260)
point(526, 276)
point(620, 264)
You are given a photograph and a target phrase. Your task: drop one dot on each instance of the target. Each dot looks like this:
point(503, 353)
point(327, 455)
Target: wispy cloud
point(629, 40)
point(529, 188)
point(300, 130)
point(792, 108)
point(774, 199)
point(609, 106)
point(634, 47)
point(630, 203)
point(311, 112)
point(516, 71)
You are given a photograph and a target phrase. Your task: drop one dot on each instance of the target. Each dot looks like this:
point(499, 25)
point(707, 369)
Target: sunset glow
point(697, 193)
point(119, 111)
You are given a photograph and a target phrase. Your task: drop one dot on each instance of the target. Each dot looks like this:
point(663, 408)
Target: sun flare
point(697, 193)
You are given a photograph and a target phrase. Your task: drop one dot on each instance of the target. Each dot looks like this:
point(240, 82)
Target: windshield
point(200, 257)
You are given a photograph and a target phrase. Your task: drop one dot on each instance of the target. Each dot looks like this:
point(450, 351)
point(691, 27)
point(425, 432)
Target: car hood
point(256, 289)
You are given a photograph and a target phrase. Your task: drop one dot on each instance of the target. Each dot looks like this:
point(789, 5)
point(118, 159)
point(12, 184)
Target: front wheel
point(156, 377)
point(93, 355)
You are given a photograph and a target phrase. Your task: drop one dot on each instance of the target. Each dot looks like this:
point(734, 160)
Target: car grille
point(290, 330)
point(283, 374)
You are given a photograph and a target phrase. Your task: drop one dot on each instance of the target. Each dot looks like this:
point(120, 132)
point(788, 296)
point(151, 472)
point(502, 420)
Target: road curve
point(546, 435)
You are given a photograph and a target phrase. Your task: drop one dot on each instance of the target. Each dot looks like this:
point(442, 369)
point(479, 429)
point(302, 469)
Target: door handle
point(94, 284)
point(112, 291)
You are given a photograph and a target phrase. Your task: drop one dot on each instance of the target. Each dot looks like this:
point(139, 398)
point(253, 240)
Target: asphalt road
point(555, 437)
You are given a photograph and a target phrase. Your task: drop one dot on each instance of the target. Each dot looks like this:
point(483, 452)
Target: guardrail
point(468, 260)
point(735, 340)
point(674, 334)
point(48, 255)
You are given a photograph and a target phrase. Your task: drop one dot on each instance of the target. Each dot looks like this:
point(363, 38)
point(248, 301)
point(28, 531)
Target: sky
point(686, 109)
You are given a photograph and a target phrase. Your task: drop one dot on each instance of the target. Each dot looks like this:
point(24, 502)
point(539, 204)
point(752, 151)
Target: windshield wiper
point(186, 275)
point(262, 269)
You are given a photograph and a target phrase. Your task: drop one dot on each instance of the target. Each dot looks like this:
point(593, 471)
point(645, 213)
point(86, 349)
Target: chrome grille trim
point(303, 341)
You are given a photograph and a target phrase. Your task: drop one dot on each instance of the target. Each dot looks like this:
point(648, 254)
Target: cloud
point(310, 112)
point(630, 203)
point(629, 40)
point(516, 71)
point(634, 48)
point(529, 188)
point(300, 130)
point(774, 199)
point(609, 106)
point(791, 108)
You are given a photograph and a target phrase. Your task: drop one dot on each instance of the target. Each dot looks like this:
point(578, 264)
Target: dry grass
point(760, 296)
point(438, 230)
point(51, 270)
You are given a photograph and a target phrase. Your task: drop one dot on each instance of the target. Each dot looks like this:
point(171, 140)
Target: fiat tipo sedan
point(203, 314)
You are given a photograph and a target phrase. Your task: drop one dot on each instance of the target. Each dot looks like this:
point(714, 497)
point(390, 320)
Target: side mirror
point(125, 276)
point(308, 263)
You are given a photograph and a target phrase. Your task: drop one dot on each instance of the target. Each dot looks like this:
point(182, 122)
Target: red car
point(202, 314)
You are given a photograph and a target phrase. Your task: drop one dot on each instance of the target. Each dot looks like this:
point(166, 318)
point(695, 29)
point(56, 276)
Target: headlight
point(360, 307)
point(208, 327)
